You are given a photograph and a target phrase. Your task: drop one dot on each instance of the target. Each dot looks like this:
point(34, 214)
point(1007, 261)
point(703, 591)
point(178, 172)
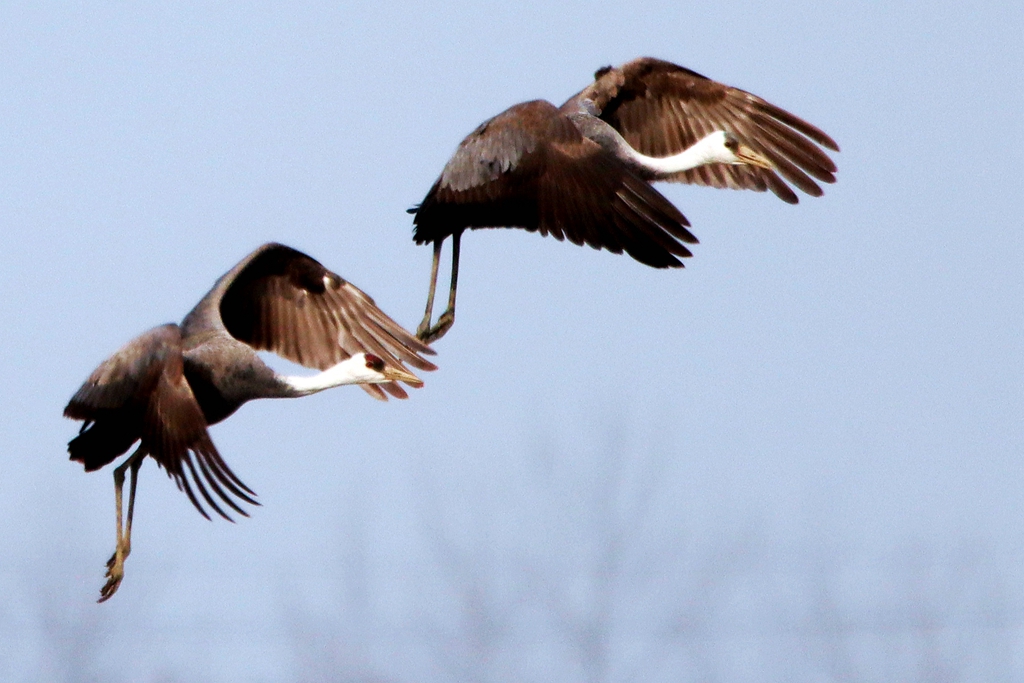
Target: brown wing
point(530, 167)
point(286, 302)
point(140, 394)
point(661, 109)
point(113, 400)
point(174, 434)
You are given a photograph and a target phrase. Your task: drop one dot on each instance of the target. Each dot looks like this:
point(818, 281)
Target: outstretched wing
point(141, 394)
point(530, 167)
point(661, 109)
point(287, 302)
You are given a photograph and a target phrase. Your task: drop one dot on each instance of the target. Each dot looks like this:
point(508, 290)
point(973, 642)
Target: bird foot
point(114, 576)
point(429, 335)
point(115, 573)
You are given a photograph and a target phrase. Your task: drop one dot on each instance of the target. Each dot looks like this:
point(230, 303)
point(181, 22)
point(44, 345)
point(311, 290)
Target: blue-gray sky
point(849, 368)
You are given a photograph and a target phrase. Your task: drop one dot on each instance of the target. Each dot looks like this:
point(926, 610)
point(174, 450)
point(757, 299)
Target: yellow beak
point(749, 156)
point(400, 375)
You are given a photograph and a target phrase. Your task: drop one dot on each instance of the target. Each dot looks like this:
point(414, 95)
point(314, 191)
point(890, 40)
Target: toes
point(429, 335)
point(114, 574)
point(110, 587)
point(439, 330)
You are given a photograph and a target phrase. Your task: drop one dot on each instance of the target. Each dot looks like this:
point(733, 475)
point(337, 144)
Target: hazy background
point(798, 459)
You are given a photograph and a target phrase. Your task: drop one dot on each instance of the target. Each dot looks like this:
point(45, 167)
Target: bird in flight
point(166, 386)
point(582, 171)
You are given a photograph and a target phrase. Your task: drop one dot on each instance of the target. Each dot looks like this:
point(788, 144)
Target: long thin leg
point(447, 318)
point(456, 241)
point(115, 565)
point(136, 464)
point(424, 329)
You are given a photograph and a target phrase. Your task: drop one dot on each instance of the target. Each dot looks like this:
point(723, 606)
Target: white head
point(366, 368)
point(725, 148)
point(373, 370)
point(362, 368)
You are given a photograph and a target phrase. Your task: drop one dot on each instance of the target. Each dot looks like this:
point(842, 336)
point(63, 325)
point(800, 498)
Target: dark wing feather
point(287, 302)
point(140, 394)
point(174, 434)
point(112, 402)
point(661, 109)
point(530, 167)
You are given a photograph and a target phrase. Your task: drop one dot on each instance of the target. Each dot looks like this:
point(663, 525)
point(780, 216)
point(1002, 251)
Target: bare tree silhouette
point(574, 565)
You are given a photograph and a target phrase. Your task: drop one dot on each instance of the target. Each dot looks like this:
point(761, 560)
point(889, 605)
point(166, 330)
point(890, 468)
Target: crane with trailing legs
point(166, 386)
point(582, 171)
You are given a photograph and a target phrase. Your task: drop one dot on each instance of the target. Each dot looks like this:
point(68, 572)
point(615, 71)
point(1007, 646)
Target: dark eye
point(731, 142)
point(374, 363)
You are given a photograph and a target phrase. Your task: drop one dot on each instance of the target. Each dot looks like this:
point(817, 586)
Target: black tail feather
point(100, 443)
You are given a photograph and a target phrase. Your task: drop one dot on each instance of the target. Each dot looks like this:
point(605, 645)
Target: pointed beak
point(752, 158)
point(400, 375)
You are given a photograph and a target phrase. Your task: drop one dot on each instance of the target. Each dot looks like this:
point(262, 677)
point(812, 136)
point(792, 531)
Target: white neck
point(710, 149)
point(351, 371)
